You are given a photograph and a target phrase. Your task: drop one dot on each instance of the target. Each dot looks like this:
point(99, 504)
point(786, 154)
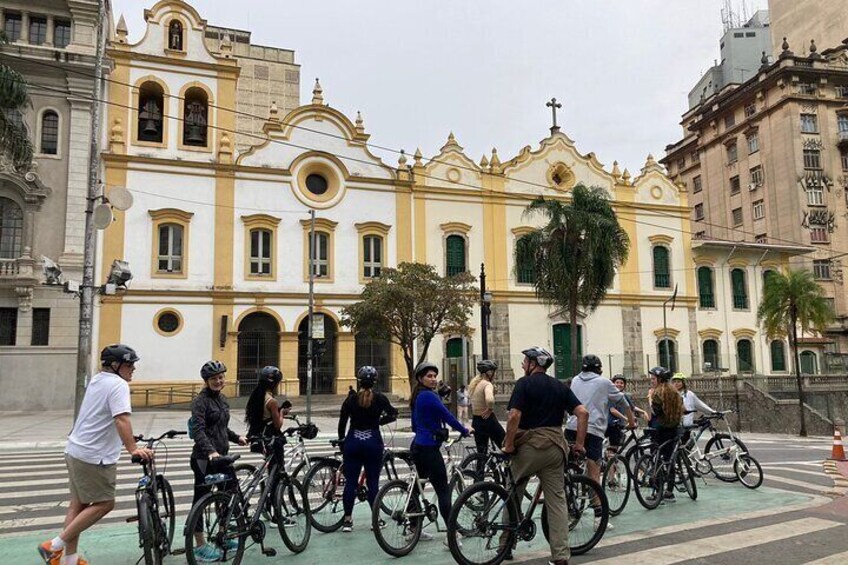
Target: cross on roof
point(554, 105)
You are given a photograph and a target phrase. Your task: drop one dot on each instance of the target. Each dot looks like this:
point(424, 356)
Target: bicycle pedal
point(269, 552)
point(179, 551)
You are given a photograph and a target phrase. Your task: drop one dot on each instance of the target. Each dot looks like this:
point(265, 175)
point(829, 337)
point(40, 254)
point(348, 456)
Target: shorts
point(615, 435)
point(90, 482)
point(594, 445)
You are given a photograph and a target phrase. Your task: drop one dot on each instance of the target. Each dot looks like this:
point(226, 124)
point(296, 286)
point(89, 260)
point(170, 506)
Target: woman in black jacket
point(367, 410)
point(210, 419)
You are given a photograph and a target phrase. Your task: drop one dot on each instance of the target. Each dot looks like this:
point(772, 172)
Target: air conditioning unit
point(753, 186)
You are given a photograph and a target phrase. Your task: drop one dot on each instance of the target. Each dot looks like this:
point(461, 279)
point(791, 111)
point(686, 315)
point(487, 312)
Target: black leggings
point(661, 436)
point(430, 465)
point(200, 467)
point(486, 429)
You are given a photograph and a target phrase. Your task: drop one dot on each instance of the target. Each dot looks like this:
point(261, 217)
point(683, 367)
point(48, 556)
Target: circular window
point(168, 322)
point(316, 184)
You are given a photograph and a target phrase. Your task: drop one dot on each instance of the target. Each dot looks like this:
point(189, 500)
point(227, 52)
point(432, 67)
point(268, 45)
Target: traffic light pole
point(309, 360)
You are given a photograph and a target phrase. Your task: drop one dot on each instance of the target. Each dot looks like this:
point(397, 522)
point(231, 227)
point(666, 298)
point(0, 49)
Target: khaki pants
point(547, 464)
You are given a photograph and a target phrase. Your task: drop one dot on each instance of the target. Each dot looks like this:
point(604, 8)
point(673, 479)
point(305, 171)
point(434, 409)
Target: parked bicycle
point(653, 470)
point(615, 477)
point(724, 455)
point(227, 518)
point(154, 500)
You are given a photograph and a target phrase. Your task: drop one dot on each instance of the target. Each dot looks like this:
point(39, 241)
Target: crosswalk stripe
point(836, 559)
point(706, 547)
point(51, 521)
point(805, 463)
point(799, 471)
point(802, 484)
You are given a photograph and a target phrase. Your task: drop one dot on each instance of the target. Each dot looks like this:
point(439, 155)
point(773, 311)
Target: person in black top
point(210, 419)
point(367, 410)
point(534, 436)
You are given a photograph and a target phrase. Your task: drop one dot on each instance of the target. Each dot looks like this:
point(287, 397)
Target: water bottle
point(215, 478)
point(143, 482)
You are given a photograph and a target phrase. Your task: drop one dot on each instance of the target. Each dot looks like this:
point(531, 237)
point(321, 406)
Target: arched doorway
point(324, 366)
point(809, 363)
point(258, 346)
point(377, 353)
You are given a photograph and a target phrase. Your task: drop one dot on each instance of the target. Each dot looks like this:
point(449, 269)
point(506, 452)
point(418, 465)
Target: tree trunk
point(575, 361)
point(798, 381)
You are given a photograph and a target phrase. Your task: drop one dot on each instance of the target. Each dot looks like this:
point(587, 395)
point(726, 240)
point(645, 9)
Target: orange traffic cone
point(838, 452)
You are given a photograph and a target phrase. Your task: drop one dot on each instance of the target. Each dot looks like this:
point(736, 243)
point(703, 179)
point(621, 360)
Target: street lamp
point(485, 311)
point(666, 349)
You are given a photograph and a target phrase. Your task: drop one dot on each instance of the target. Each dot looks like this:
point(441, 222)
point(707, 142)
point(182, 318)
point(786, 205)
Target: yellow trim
point(703, 261)
point(660, 239)
point(318, 310)
point(455, 228)
point(168, 310)
point(377, 229)
point(403, 234)
point(771, 264)
point(327, 227)
point(210, 121)
point(420, 204)
point(228, 353)
point(521, 231)
point(346, 361)
point(264, 222)
point(166, 120)
point(166, 28)
point(119, 93)
point(738, 262)
point(710, 333)
point(318, 162)
point(113, 248)
point(224, 191)
point(262, 309)
point(744, 333)
point(179, 218)
point(672, 333)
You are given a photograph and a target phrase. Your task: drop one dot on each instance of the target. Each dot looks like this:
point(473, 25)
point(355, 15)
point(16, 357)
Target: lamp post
point(673, 299)
point(485, 311)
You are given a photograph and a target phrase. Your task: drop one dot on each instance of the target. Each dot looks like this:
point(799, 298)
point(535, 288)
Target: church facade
point(217, 237)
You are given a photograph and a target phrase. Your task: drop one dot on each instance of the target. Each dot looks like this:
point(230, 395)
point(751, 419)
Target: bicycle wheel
point(687, 476)
point(648, 480)
point(324, 486)
point(167, 510)
point(588, 513)
point(459, 481)
point(749, 471)
point(476, 519)
point(292, 514)
point(244, 474)
point(147, 530)
point(397, 518)
point(723, 464)
point(616, 482)
point(219, 518)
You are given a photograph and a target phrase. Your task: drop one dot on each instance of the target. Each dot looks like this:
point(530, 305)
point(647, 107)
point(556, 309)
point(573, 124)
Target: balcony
point(842, 139)
point(18, 271)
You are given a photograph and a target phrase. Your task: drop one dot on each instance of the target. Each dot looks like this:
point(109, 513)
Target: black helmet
point(661, 373)
point(592, 363)
point(270, 375)
point(619, 377)
point(366, 376)
point(212, 368)
point(423, 367)
point(486, 365)
point(118, 353)
point(540, 355)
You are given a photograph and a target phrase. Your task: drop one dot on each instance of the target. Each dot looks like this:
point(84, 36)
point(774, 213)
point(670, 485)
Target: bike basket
point(309, 431)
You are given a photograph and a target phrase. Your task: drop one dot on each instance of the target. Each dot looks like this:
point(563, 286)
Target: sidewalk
point(48, 430)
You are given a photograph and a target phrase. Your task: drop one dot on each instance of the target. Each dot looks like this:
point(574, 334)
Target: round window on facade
point(168, 322)
point(316, 184)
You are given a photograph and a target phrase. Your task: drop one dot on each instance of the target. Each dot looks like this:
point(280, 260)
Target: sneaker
point(208, 552)
point(232, 545)
point(47, 554)
point(426, 536)
point(347, 526)
point(380, 524)
point(289, 522)
point(669, 497)
point(80, 561)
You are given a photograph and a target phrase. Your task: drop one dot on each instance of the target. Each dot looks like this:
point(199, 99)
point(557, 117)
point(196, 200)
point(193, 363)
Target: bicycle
point(400, 508)
point(615, 476)
point(653, 468)
point(225, 515)
point(489, 521)
point(724, 455)
point(154, 500)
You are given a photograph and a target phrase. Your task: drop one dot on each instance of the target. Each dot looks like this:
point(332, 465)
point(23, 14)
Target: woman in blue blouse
point(428, 416)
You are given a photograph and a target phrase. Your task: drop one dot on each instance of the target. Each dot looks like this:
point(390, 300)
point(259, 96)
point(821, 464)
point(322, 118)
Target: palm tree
point(14, 142)
point(792, 299)
point(574, 257)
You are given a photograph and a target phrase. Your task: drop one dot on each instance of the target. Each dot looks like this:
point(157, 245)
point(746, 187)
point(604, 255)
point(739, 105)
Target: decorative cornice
point(255, 220)
point(660, 239)
point(744, 333)
point(373, 227)
point(320, 224)
point(170, 213)
point(710, 333)
point(455, 227)
point(661, 333)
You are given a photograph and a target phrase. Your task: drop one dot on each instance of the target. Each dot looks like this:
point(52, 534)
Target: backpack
point(190, 427)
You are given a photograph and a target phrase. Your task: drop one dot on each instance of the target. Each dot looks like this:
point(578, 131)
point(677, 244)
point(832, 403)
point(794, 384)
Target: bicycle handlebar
point(170, 434)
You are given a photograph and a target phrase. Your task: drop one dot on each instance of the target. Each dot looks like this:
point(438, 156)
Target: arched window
point(739, 288)
point(11, 229)
point(455, 255)
point(809, 363)
point(260, 252)
point(662, 269)
point(767, 274)
point(14, 116)
point(778, 356)
point(524, 268)
point(667, 354)
point(175, 35)
point(322, 257)
point(49, 133)
point(195, 117)
point(377, 353)
point(706, 295)
point(710, 351)
point(170, 248)
point(151, 101)
point(744, 356)
point(372, 256)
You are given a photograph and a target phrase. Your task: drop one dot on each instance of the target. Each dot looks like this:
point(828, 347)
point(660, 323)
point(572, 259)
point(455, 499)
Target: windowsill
point(166, 275)
point(140, 143)
point(57, 156)
point(195, 148)
point(175, 52)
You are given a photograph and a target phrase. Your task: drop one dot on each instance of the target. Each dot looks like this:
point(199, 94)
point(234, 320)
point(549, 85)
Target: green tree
point(412, 304)
point(15, 145)
point(574, 256)
point(793, 300)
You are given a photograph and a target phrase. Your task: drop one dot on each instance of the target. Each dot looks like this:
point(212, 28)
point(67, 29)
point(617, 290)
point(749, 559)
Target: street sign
point(317, 326)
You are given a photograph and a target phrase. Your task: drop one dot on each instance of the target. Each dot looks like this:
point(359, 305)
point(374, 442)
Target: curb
point(840, 482)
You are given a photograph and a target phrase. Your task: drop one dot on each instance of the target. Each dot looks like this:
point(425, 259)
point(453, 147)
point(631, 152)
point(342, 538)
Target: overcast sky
point(484, 69)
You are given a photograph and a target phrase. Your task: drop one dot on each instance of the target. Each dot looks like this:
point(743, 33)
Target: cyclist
point(597, 395)
point(210, 419)
point(462, 402)
point(485, 423)
point(534, 435)
point(691, 403)
point(363, 446)
point(617, 420)
point(263, 415)
point(667, 413)
point(429, 415)
point(94, 446)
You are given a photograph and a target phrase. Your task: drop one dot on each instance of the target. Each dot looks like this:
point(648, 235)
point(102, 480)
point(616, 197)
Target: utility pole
point(309, 361)
point(484, 313)
point(89, 245)
point(666, 348)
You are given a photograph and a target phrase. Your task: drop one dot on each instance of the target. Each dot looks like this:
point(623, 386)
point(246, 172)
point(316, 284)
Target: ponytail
point(365, 397)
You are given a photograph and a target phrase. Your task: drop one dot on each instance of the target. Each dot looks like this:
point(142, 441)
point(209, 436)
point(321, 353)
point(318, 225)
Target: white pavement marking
point(798, 471)
point(705, 547)
point(809, 463)
point(802, 484)
point(836, 559)
point(51, 521)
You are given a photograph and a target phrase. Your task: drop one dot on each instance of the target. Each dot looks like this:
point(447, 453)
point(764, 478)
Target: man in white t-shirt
point(92, 453)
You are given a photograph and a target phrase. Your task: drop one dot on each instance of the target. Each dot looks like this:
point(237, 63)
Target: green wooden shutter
point(744, 356)
point(778, 356)
point(705, 287)
point(710, 348)
point(525, 272)
point(662, 276)
point(740, 293)
point(455, 250)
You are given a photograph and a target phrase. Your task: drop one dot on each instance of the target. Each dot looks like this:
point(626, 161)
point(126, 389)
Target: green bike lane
point(717, 503)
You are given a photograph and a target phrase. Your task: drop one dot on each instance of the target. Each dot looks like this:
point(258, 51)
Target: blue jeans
point(362, 448)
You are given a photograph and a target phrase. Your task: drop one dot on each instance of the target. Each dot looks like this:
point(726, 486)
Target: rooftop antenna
point(729, 17)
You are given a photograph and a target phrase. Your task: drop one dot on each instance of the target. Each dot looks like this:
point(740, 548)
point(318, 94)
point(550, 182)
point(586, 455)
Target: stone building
point(767, 161)
point(42, 210)
point(799, 21)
